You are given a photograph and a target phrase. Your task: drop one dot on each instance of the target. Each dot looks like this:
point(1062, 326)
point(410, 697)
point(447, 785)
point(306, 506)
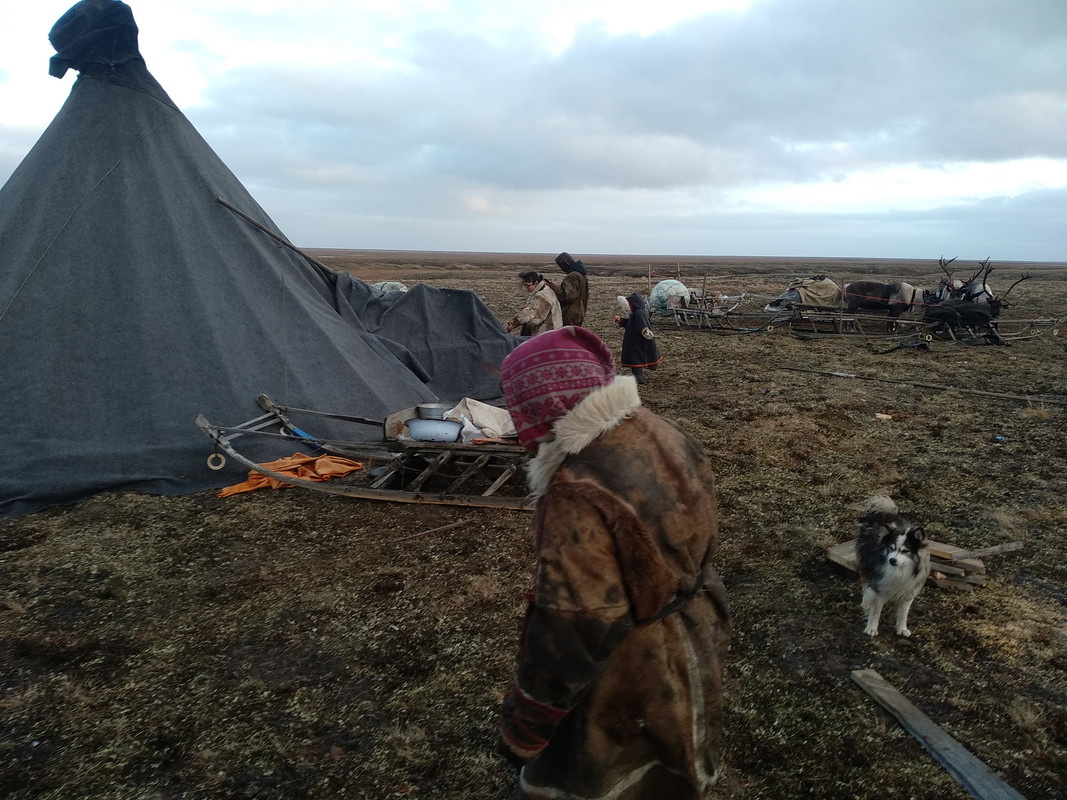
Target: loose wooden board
point(949, 583)
point(971, 773)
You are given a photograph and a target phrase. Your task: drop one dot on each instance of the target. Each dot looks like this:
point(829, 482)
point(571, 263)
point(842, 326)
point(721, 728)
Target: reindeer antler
point(983, 267)
point(986, 266)
point(1004, 296)
point(944, 264)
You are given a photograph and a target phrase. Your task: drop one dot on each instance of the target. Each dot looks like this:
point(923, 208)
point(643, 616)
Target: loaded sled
point(481, 473)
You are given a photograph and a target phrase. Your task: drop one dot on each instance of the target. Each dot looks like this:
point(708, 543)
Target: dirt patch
point(286, 644)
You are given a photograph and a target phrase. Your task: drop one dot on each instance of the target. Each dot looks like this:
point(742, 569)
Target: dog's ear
point(918, 534)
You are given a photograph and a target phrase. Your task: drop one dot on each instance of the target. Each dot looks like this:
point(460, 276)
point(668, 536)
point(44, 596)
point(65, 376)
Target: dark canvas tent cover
point(131, 300)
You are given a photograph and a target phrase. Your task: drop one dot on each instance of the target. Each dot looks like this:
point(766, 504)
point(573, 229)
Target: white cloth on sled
point(493, 421)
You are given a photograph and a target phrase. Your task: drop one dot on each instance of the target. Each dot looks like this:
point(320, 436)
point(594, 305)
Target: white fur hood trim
point(602, 410)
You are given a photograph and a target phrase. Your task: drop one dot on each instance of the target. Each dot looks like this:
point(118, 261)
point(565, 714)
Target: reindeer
point(946, 287)
point(975, 311)
point(894, 298)
point(975, 289)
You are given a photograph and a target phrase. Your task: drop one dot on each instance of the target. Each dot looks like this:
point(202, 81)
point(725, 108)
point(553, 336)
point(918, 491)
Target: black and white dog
point(894, 562)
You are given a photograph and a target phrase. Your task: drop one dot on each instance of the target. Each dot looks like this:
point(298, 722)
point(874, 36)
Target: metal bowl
point(434, 430)
point(432, 410)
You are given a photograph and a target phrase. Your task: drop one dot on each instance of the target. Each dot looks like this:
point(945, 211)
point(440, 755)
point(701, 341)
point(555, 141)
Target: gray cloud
point(785, 90)
point(642, 141)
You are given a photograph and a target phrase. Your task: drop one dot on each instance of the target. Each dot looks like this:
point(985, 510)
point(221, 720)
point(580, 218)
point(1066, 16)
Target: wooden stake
point(442, 529)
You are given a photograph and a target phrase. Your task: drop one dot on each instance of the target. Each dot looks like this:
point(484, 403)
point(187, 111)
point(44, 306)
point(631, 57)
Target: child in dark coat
point(639, 349)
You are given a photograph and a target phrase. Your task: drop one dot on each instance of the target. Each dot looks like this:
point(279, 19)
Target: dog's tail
point(880, 504)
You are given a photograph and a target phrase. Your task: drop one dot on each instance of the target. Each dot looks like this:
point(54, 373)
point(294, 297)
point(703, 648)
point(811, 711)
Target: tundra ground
point(286, 644)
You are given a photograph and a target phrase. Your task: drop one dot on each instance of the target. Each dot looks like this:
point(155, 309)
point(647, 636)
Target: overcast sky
point(835, 128)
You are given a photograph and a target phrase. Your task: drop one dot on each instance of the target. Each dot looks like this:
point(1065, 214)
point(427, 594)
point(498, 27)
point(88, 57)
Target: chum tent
point(133, 300)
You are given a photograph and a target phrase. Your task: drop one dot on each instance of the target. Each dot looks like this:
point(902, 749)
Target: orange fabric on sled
point(298, 465)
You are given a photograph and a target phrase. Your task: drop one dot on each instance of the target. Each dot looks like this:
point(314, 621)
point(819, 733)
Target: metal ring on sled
point(929, 337)
point(216, 461)
point(769, 329)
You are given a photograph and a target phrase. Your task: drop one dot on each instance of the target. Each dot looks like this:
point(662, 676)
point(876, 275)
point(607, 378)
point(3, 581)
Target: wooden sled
point(721, 314)
point(820, 323)
point(477, 475)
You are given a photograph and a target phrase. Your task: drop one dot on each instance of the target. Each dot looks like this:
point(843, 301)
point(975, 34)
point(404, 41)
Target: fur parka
point(573, 294)
point(618, 687)
point(541, 313)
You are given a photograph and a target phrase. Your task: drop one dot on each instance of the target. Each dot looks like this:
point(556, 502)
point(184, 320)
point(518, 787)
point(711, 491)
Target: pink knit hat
point(546, 376)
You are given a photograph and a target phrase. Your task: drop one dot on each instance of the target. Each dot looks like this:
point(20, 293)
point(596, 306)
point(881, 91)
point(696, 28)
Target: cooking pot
point(434, 430)
point(432, 410)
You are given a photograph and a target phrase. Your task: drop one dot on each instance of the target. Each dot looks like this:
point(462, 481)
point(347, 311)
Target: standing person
point(572, 290)
point(541, 313)
point(639, 348)
point(618, 685)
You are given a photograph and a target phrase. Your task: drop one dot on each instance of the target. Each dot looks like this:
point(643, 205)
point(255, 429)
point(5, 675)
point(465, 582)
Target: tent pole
point(326, 271)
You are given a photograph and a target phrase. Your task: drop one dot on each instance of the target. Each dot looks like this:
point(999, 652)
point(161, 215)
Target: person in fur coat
point(639, 348)
point(541, 312)
point(617, 691)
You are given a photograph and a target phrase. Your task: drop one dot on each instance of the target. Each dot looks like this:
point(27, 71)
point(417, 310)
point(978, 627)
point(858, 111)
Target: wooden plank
point(1007, 547)
point(971, 773)
point(947, 568)
point(507, 473)
point(972, 578)
point(947, 552)
point(970, 564)
point(843, 554)
point(431, 469)
point(386, 474)
point(475, 466)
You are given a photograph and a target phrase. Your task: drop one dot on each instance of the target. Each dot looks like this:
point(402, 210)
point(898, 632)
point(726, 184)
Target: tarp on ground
point(450, 333)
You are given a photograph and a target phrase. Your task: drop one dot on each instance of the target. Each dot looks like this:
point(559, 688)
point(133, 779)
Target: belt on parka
point(681, 599)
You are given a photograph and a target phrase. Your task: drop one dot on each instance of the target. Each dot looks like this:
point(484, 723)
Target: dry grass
point(287, 644)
